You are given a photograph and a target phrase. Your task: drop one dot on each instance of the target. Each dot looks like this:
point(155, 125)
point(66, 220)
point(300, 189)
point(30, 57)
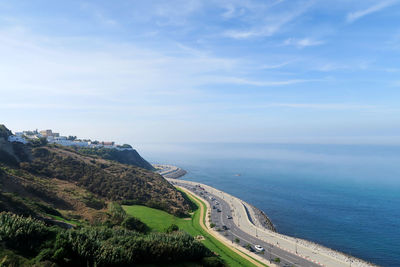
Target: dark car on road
point(218, 210)
point(224, 227)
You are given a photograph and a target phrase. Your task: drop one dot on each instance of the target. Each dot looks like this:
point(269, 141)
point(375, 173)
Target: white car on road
point(259, 248)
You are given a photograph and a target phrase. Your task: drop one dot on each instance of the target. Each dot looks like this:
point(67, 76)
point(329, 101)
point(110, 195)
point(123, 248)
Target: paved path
point(288, 249)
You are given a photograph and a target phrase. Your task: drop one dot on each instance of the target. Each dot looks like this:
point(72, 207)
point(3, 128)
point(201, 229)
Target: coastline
point(258, 219)
point(169, 171)
point(207, 226)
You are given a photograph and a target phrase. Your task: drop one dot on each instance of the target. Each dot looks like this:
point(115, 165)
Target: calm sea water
point(346, 197)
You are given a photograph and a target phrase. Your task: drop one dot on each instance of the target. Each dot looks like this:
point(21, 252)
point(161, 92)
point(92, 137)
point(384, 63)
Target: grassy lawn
point(159, 220)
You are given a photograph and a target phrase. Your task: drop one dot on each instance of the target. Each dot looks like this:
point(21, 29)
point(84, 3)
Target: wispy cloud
point(300, 43)
point(177, 12)
point(275, 66)
point(98, 14)
point(333, 106)
point(271, 25)
point(353, 16)
point(244, 81)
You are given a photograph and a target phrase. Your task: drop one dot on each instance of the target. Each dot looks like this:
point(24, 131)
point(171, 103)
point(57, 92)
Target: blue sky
point(203, 71)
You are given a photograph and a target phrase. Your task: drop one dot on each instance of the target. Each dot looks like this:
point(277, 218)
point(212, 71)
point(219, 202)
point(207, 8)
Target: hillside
point(67, 209)
point(48, 170)
point(130, 157)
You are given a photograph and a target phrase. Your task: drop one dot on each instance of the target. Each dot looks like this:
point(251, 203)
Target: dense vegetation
point(4, 132)
point(59, 207)
point(107, 179)
point(130, 157)
point(95, 246)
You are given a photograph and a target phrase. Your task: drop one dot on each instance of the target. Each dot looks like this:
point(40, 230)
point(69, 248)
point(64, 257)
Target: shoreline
point(258, 219)
point(240, 250)
point(169, 171)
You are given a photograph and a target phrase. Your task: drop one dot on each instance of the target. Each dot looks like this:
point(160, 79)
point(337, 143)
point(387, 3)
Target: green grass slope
point(159, 221)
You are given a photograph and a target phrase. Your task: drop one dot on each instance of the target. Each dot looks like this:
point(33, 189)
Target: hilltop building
point(15, 138)
point(47, 133)
point(55, 138)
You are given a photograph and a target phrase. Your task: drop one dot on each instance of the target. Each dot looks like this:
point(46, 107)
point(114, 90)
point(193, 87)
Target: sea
point(345, 197)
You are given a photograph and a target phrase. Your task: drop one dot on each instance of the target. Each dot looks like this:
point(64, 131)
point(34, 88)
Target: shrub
point(118, 214)
point(4, 132)
point(98, 246)
point(134, 224)
point(212, 262)
point(172, 228)
point(24, 234)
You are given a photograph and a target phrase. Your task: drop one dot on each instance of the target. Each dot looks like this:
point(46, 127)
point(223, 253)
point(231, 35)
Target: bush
point(172, 228)
point(24, 234)
point(97, 246)
point(134, 224)
point(118, 214)
point(212, 262)
point(4, 132)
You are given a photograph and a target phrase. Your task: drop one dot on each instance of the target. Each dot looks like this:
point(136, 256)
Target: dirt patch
point(200, 238)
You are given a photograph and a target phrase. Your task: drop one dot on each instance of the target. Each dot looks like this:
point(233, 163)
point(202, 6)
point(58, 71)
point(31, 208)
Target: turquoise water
point(346, 197)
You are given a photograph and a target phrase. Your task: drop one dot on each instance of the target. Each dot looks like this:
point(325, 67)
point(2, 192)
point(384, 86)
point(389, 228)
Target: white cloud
point(333, 106)
point(229, 11)
point(300, 43)
point(271, 22)
point(176, 12)
point(244, 81)
point(275, 66)
point(353, 16)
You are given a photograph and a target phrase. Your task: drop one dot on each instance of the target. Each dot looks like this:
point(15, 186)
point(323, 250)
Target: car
point(218, 210)
point(228, 216)
point(213, 207)
point(259, 248)
point(250, 248)
point(224, 227)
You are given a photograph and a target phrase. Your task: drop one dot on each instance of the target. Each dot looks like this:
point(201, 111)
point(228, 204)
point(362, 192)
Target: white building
point(15, 138)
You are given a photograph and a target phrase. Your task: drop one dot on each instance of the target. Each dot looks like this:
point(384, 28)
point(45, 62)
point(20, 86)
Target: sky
point(203, 71)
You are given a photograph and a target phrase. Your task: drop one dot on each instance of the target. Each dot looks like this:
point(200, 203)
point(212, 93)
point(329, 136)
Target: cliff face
point(13, 153)
point(107, 179)
point(130, 157)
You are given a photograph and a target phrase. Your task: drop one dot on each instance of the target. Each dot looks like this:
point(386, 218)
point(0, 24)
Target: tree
point(125, 146)
point(42, 141)
point(4, 132)
point(172, 228)
point(237, 240)
point(71, 138)
point(134, 224)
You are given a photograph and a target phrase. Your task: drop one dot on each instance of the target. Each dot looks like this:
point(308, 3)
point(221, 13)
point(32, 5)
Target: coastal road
point(234, 231)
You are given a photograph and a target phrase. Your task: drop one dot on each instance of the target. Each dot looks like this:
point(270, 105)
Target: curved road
point(233, 231)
